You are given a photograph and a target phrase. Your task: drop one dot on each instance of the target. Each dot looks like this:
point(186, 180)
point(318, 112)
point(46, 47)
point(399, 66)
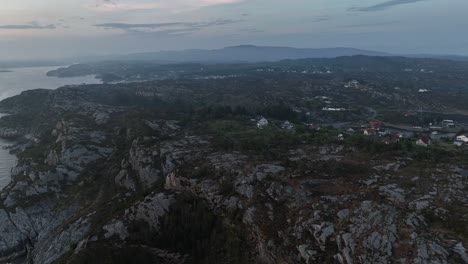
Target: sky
point(53, 29)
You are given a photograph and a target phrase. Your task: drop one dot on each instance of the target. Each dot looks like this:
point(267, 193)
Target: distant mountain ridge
point(232, 54)
point(242, 53)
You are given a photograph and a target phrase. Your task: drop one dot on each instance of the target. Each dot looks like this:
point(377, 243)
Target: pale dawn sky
point(45, 29)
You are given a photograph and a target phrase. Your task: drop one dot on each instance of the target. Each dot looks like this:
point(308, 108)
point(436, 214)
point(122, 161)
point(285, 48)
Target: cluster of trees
point(404, 145)
point(277, 111)
point(269, 141)
point(191, 228)
point(221, 112)
point(280, 112)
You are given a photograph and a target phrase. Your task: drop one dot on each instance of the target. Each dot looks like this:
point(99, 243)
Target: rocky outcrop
point(12, 240)
point(371, 235)
point(145, 163)
point(104, 176)
point(149, 211)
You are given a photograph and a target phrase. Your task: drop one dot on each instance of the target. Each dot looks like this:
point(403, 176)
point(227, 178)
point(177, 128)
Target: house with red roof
point(314, 127)
point(423, 141)
point(376, 124)
point(392, 139)
point(370, 131)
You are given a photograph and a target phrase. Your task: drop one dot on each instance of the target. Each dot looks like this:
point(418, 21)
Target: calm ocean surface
point(22, 79)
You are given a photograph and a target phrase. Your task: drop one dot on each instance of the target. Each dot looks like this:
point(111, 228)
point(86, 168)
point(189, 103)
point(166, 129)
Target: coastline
point(8, 160)
point(30, 78)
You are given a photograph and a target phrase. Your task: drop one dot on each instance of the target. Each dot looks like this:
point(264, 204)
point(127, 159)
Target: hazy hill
point(244, 53)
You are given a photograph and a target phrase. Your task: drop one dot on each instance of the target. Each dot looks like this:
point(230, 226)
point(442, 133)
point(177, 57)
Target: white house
point(340, 137)
point(263, 122)
point(448, 123)
point(352, 84)
point(322, 97)
point(462, 138)
point(287, 125)
point(333, 109)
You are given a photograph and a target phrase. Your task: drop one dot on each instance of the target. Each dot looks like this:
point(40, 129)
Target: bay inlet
point(16, 80)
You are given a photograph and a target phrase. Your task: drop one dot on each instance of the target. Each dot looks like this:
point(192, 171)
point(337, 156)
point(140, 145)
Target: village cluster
point(387, 135)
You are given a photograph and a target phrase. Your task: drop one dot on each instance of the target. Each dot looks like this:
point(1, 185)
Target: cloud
point(371, 24)
point(165, 33)
point(321, 19)
point(126, 5)
point(109, 6)
point(30, 25)
point(171, 27)
point(72, 18)
point(125, 26)
point(215, 2)
point(252, 30)
point(385, 5)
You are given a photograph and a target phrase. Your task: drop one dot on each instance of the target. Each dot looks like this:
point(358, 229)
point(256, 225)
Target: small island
point(4, 71)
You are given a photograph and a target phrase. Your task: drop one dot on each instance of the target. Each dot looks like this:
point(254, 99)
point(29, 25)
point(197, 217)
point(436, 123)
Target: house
point(263, 122)
point(458, 143)
point(436, 127)
point(423, 141)
point(333, 109)
point(396, 137)
point(323, 97)
point(382, 132)
point(448, 123)
point(462, 138)
point(423, 91)
point(376, 124)
point(392, 138)
point(352, 84)
point(370, 131)
point(314, 127)
point(340, 137)
point(287, 125)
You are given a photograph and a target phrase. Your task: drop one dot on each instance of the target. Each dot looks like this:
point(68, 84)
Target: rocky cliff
point(108, 175)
